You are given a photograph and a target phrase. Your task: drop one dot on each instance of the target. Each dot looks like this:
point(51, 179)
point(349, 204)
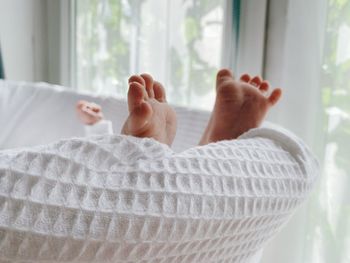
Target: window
point(180, 42)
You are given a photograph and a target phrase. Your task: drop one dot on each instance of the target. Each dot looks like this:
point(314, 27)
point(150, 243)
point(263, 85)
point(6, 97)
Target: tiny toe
point(136, 94)
point(159, 92)
point(223, 75)
point(275, 96)
point(245, 78)
point(264, 86)
point(95, 107)
point(256, 81)
point(96, 110)
point(138, 79)
point(149, 84)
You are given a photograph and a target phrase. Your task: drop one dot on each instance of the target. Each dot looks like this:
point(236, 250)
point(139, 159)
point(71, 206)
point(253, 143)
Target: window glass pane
point(330, 222)
point(336, 99)
point(179, 42)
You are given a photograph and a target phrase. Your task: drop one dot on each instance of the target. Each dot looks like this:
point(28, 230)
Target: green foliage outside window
point(108, 44)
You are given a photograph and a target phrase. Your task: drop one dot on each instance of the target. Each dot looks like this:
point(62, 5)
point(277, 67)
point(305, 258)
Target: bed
point(65, 197)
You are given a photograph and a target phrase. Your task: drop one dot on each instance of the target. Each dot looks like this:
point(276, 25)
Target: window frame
point(252, 37)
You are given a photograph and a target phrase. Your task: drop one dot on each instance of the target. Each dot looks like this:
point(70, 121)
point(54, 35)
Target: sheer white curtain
point(294, 59)
point(308, 56)
point(297, 60)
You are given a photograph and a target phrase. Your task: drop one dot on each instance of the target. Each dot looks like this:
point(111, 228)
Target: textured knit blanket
point(124, 199)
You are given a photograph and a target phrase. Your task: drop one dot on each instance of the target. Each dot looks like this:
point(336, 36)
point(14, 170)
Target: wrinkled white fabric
point(103, 127)
point(124, 199)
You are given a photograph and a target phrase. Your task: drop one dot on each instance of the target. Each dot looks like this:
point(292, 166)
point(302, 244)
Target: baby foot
point(89, 113)
point(239, 106)
point(149, 113)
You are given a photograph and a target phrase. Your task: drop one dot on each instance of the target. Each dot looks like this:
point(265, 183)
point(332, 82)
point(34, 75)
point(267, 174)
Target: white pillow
point(124, 199)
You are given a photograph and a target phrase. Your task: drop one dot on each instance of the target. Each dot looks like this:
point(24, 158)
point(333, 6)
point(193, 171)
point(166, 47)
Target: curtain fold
point(2, 71)
point(310, 58)
point(328, 230)
point(297, 59)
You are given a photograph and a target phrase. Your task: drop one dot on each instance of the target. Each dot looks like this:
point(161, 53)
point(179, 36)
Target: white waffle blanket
point(123, 199)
